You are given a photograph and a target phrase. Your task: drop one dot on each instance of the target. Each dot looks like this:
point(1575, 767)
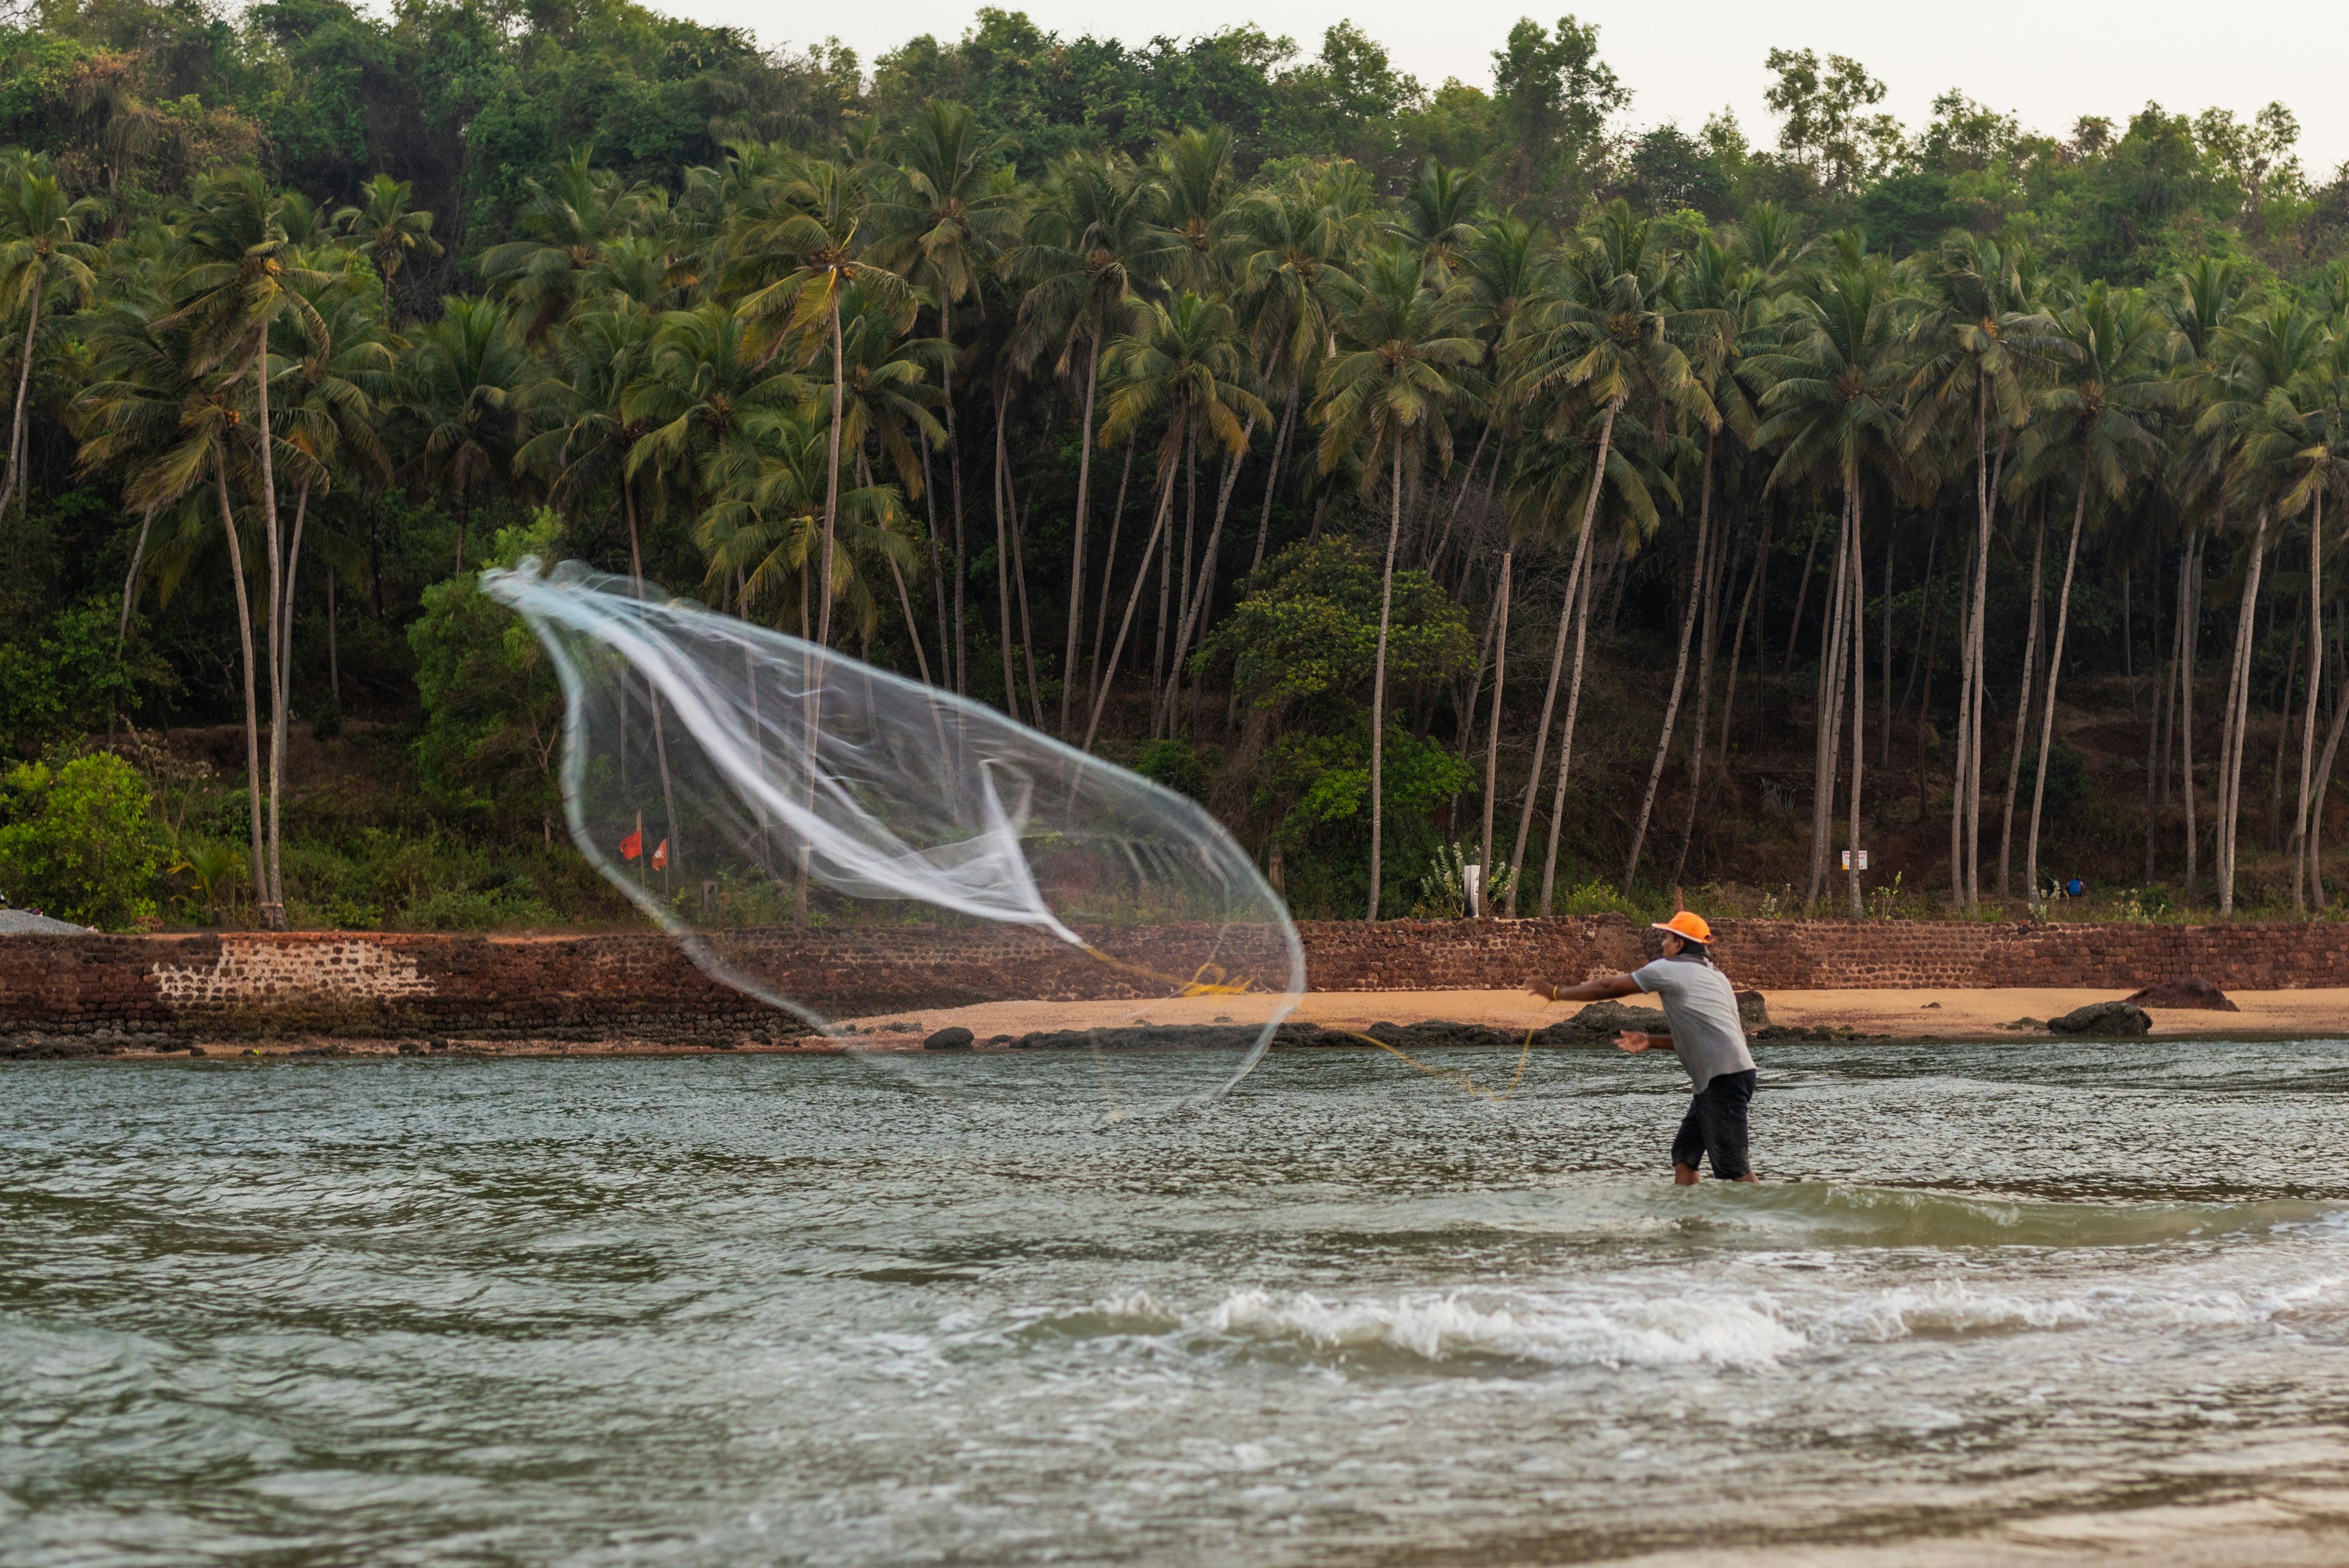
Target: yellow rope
point(1209, 979)
point(1452, 1075)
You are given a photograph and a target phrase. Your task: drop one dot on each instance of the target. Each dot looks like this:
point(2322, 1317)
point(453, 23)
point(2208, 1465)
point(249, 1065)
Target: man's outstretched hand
point(1633, 1041)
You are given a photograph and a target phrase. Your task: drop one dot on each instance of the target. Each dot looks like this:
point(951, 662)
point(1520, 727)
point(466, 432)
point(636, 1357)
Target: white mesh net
point(888, 862)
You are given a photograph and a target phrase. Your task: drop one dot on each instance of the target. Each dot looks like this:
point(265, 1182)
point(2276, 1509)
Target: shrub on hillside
point(81, 843)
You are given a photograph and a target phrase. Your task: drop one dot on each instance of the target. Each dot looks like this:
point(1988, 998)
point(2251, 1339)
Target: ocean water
point(749, 1310)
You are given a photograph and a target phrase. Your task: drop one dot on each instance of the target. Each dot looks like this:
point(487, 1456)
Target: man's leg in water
point(1688, 1145)
point(1715, 1130)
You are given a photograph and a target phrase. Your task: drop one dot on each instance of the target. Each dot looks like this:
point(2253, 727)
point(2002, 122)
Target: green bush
point(81, 843)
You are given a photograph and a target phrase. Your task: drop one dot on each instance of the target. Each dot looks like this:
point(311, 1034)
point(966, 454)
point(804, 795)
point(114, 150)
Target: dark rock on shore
point(954, 1038)
point(2191, 992)
point(2103, 1018)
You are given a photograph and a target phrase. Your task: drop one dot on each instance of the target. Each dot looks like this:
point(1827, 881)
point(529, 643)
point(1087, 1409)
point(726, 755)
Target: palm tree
point(948, 214)
point(1291, 246)
point(1834, 408)
point(335, 379)
point(2097, 425)
point(1611, 335)
point(41, 249)
point(2258, 357)
point(580, 436)
point(159, 415)
point(388, 230)
point(1094, 244)
point(1183, 361)
point(1974, 346)
point(815, 234)
point(1195, 171)
point(1442, 213)
point(2321, 399)
point(1405, 359)
point(459, 389)
point(566, 227)
point(242, 273)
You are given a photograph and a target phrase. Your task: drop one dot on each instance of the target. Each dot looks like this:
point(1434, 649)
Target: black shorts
point(1715, 1127)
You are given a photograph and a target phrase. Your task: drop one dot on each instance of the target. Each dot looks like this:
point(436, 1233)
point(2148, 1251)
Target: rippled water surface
point(750, 1309)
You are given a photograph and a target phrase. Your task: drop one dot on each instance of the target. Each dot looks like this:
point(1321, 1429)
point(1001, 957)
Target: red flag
point(633, 845)
point(660, 856)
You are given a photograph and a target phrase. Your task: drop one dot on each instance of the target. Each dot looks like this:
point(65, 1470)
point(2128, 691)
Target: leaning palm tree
point(1183, 362)
point(2098, 427)
point(1611, 334)
point(174, 427)
point(2321, 398)
point(388, 230)
point(41, 251)
point(1405, 359)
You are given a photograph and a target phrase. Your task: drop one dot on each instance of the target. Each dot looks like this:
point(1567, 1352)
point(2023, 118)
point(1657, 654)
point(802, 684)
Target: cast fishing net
point(858, 851)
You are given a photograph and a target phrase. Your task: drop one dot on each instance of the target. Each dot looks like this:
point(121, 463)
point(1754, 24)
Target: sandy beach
point(1906, 1014)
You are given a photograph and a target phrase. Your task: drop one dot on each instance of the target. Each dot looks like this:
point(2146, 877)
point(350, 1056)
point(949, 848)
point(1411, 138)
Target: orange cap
point(1685, 924)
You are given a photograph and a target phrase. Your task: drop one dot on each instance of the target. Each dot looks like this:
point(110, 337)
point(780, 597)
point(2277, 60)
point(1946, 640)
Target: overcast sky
point(2050, 61)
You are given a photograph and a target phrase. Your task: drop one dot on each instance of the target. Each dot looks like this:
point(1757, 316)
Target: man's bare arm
point(1613, 985)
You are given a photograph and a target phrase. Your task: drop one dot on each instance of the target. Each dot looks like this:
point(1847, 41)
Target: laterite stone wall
point(645, 987)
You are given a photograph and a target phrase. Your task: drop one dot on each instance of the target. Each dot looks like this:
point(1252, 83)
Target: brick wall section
point(645, 987)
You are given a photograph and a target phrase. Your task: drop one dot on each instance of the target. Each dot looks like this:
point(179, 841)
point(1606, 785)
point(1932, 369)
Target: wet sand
point(1952, 1014)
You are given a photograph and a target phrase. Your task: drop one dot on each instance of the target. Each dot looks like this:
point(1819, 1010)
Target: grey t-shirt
point(1701, 1005)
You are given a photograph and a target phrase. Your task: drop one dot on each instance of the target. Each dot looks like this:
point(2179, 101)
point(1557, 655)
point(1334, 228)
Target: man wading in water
point(1702, 1027)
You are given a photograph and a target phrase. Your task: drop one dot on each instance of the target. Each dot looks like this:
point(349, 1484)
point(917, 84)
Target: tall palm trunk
point(2054, 672)
point(1020, 581)
point(273, 904)
point(1566, 743)
point(2239, 714)
point(1573, 614)
point(1467, 482)
point(1689, 620)
point(281, 677)
point(1202, 592)
point(1379, 680)
point(1493, 728)
point(1827, 705)
point(958, 655)
point(1752, 602)
point(1003, 558)
point(2324, 780)
point(130, 578)
point(1142, 577)
point(2301, 864)
point(2022, 709)
point(2189, 639)
point(24, 386)
point(1272, 474)
point(831, 479)
point(1858, 618)
point(1700, 747)
point(1965, 803)
point(253, 774)
point(1096, 675)
point(1077, 550)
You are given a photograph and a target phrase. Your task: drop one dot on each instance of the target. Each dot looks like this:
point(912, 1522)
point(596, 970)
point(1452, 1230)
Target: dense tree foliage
point(1383, 463)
